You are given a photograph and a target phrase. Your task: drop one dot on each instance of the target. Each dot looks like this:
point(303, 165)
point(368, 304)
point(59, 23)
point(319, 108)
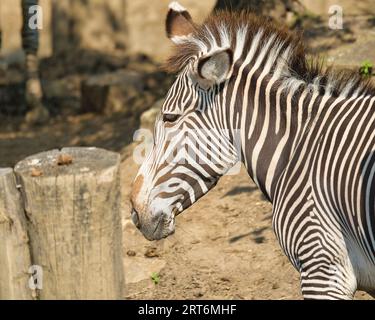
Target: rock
point(111, 92)
point(37, 116)
point(131, 253)
point(140, 268)
point(82, 62)
point(151, 253)
point(62, 88)
point(148, 117)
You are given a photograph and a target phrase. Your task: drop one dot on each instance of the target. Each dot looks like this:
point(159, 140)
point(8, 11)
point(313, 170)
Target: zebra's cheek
point(139, 202)
point(137, 185)
point(136, 193)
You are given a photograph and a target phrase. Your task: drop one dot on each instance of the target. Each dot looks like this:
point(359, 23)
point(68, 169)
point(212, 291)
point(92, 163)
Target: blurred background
point(96, 78)
point(97, 59)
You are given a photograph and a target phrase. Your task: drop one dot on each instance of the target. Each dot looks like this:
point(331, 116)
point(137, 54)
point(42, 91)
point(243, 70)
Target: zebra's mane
point(238, 31)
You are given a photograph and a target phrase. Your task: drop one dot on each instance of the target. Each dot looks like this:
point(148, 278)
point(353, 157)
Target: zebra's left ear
point(179, 24)
point(215, 67)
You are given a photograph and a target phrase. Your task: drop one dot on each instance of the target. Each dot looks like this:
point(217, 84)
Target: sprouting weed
point(155, 278)
point(366, 68)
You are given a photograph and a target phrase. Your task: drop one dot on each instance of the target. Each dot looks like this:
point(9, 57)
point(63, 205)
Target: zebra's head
point(191, 149)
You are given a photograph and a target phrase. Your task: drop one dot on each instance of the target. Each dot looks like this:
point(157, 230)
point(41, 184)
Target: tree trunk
point(72, 202)
point(14, 242)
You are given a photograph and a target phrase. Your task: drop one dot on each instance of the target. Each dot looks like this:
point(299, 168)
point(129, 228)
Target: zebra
point(306, 137)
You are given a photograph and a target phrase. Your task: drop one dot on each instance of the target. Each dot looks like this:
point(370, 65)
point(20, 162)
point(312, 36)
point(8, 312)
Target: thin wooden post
point(14, 242)
point(72, 202)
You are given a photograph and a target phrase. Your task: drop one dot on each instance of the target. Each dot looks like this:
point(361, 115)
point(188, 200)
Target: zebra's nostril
point(135, 217)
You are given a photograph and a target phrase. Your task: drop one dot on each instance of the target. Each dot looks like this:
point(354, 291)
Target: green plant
point(366, 68)
point(155, 278)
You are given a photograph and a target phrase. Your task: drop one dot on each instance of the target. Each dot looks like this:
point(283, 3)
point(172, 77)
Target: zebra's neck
point(273, 121)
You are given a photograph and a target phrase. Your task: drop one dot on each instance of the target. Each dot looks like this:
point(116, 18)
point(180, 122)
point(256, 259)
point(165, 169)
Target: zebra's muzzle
point(158, 227)
point(164, 228)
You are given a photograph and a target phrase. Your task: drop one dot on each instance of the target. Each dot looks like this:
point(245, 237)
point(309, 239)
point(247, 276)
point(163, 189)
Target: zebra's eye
point(170, 117)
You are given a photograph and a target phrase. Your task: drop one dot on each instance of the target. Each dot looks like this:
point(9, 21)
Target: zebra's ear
point(179, 24)
point(215, 67)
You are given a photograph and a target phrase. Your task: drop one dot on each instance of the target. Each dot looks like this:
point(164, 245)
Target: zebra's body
point(307, 140)
point(323, 205)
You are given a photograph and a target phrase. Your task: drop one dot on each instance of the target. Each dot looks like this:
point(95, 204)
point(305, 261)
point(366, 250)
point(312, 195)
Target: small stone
point(225, 279)
point(151, 253)
point(275, 286)
point(198, 294)
point(131, 253)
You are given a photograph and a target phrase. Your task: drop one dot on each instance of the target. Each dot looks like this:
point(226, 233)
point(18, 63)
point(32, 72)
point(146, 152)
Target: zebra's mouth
point(163, 228)
point(156, 230)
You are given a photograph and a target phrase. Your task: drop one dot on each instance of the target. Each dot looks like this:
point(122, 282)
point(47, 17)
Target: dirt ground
point(224, 246)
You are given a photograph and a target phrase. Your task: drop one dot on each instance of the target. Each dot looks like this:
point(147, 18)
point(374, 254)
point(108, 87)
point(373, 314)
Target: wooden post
point(72, 202)
point(14, 247)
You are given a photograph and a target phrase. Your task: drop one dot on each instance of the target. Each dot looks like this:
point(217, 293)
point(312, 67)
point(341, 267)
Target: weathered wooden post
point(72, 204)
point(14, 243)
